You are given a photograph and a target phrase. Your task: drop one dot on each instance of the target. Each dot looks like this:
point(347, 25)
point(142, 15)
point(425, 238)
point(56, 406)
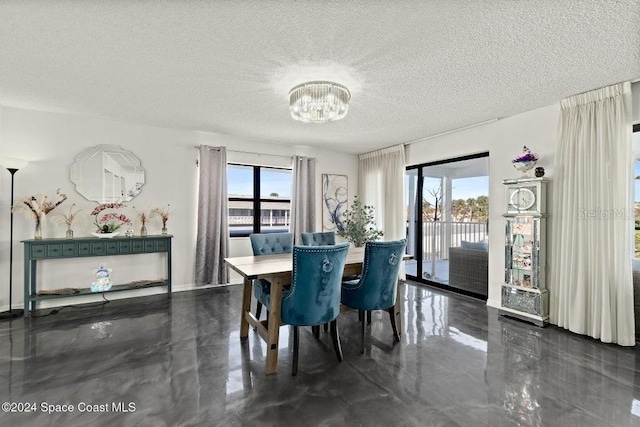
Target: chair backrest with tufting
point(318, 239)
point(377, 287)
point(271, 243)
point(314, 297)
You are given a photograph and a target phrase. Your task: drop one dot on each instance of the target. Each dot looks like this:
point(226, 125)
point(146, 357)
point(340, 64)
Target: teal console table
point(46, 249)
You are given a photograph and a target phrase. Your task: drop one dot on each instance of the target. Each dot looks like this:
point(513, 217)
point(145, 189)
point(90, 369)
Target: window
point(259, 199)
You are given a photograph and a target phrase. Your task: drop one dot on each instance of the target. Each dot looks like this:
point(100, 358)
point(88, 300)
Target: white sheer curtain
point(303, 197)
point(212, 241)
point(591, 286)
point(381, 185)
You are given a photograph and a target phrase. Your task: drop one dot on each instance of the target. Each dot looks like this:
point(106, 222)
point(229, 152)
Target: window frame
point(256, 199)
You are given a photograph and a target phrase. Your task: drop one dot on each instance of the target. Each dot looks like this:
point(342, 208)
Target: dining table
point(276, 270)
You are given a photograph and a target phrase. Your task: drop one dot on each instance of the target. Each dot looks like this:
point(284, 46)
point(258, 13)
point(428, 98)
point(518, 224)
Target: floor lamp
point(13, 165)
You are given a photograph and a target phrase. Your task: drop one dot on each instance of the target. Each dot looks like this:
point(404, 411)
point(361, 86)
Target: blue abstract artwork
point(335, 196)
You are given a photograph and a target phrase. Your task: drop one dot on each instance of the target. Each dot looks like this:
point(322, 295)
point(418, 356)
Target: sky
point(240, 181)
point(462, 188)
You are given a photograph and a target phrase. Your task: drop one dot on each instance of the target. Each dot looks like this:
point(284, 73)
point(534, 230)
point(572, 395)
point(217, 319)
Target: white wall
point(503, 139)
point(50, 141)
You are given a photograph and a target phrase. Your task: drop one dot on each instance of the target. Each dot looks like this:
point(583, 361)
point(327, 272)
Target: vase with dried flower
point(143, 217)
point(163, 213)
point(68, 219)
point(37, 207)
point(108, 223)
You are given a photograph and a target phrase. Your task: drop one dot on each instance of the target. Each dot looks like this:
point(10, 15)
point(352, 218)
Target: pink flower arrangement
point(104, 206)
point(110, 221)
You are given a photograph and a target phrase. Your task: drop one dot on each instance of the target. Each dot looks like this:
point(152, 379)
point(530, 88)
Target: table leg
point(246, 306)
point(398, 306)
point(274, 326)
point(34, 274)
point(27, 281)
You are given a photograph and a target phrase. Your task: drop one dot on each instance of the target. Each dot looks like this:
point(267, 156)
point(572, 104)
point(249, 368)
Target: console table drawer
point(69, 249)
point(112, 247)
point(149, 245)
point(84, 249)
point(98, 248)
point(39, 251)
point(54, 250)
point(124, 247)
point(161, 245)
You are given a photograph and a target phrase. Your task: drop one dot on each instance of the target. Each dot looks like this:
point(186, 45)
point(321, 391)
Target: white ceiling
point(415, 68)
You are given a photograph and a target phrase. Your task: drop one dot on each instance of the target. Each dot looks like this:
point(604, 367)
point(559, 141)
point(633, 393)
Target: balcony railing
point(439, 236)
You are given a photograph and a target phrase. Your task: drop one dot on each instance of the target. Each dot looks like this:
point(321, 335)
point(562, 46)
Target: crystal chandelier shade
point(319, 102)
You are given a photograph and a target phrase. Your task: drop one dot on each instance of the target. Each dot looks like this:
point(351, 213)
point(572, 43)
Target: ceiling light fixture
point(319, 102)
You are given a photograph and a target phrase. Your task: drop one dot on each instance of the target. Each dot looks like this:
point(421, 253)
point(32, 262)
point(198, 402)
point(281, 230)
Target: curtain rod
point(248, 152)
point(451, 131)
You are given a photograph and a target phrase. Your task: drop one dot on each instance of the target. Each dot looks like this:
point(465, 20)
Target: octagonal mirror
point(107, 174)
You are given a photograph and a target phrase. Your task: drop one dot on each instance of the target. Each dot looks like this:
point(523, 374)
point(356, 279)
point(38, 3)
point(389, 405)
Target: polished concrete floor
point(180, 362)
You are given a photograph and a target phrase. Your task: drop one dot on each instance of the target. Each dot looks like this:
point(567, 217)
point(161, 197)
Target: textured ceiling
point(415, 68)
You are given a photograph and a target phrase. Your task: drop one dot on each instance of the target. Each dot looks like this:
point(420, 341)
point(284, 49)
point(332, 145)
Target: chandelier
point(319, 102)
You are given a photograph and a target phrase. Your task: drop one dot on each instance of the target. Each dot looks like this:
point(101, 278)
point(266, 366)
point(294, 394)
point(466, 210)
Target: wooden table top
point(252, 267)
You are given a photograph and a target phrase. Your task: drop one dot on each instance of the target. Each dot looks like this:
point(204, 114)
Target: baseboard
point(119, 295)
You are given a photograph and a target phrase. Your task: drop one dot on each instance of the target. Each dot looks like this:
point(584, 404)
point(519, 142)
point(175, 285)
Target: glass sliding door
point(447, 207)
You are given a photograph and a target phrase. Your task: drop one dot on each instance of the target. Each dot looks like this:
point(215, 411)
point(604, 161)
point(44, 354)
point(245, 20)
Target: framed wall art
point(335, 196)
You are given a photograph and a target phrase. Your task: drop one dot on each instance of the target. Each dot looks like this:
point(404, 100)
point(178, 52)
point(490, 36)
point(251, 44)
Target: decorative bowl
point(525, 166)
point(106, 235)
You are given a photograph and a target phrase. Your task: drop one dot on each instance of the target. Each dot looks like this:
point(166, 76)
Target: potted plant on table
point(359, 225)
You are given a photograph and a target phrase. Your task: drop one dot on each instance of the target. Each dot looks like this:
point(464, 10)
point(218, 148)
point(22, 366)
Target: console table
point(45, 249)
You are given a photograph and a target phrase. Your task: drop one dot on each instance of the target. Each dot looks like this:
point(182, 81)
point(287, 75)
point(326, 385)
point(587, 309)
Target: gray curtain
point(212, 244)
point(303, 197)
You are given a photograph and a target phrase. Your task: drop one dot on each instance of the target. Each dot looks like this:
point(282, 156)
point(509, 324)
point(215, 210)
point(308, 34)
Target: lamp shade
point(12, 163)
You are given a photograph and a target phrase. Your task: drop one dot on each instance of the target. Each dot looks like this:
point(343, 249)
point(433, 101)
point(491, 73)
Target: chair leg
point(316, 331)
point(294, 365)
point(396, 337)
point(362, 327)
point(335, 336)
point(326, 327)
point(368, 317)
point(258, 310)
point(361, 315)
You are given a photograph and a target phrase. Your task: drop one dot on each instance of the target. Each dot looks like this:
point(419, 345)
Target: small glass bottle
point(69, 234)
point(164, 231)
point(143, 231)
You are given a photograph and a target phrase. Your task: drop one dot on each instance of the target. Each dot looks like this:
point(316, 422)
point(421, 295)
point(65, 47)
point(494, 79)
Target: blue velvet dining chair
point(314, 296)
point(319, 239)
point(377, 287)
point(268, 244)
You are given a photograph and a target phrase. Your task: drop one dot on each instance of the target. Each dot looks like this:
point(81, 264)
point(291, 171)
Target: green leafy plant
point(359, 225)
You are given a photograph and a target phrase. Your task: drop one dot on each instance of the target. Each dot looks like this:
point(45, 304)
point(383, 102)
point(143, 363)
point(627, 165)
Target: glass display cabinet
point(524, 294)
